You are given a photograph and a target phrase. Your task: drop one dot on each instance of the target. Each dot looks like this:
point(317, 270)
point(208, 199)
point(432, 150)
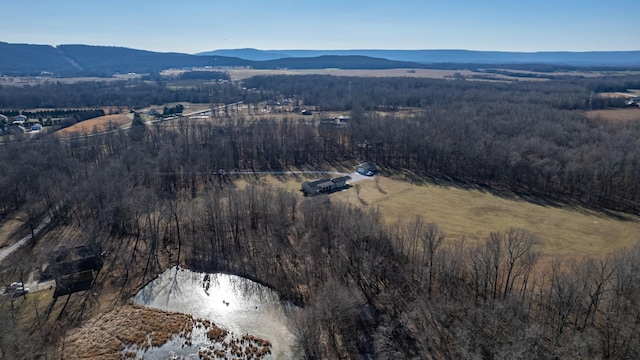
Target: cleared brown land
point(8, 228)
point(568, 73)
point(473, 214)
point(239, 74)
point(98, 124)
point(615, 115)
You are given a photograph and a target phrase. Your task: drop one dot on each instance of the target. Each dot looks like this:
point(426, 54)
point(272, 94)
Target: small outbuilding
point(368, 168)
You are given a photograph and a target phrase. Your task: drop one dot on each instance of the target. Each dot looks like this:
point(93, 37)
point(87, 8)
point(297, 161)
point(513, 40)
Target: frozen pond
point(237, 304)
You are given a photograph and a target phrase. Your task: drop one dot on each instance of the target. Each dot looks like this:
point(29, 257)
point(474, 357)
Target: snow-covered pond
point(236, 304)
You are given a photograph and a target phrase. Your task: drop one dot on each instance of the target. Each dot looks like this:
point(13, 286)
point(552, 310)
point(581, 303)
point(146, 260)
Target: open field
point(100, 124)
point(240, 74)
point(589, 74)
point(473, 215)
point(619, 94)
point(615, 115)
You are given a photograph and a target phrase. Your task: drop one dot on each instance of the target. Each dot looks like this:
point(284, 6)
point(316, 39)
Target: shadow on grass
point(512, 194)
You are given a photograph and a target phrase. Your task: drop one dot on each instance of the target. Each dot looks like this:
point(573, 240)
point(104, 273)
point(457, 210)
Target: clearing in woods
point(615, 115)
point(474, 214)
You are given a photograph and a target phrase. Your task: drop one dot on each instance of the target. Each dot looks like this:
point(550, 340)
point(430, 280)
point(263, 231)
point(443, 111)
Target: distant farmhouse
point(338, 121)
point(324, 186)
point(368, 169)
point(633, 101)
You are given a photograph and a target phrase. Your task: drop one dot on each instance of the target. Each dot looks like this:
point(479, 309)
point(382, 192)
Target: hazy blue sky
point(192, 26)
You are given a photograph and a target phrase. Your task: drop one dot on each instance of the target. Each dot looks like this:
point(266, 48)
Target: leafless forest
point(152, 197)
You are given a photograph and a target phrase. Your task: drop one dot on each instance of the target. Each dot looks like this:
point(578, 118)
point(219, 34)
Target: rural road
point(4, 252)
point(32, 284)
point(355, 177)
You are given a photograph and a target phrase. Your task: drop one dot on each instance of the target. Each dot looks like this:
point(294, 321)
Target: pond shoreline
point(236, 304)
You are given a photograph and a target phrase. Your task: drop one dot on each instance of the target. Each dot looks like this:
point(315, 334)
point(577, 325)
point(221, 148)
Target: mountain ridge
point(91, 60)
point(431, 56)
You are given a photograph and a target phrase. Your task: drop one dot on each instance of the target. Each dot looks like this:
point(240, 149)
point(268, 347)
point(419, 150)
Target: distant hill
point(24, 58)
point(83, 60)
point(592, 58)
point(125, 60)
point(334, 61)
point(250, 54)
point(74, 60)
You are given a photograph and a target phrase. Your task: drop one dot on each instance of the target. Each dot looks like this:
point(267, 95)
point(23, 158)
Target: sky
point(192, 26)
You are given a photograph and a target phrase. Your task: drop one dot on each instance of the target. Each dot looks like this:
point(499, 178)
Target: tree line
point(523, 139)
point(132, 94)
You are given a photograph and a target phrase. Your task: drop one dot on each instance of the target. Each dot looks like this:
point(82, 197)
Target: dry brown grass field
point(9, 228)
point(106, 336)
point(473, 214)
point(99, 124)
point(615, 115)
point(240, 74)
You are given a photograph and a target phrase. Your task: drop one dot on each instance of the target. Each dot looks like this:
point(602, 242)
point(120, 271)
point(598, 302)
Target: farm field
point(240, 74)
point(100, 124)
point(615, 115)
point(629, 92)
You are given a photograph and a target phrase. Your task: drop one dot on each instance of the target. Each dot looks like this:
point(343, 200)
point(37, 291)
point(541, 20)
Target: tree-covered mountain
point(123, 60)
point(250, 54)
point(591, 58)
point(75, 60)
point(26, 58)
point(72, 60)
point(334, 61)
